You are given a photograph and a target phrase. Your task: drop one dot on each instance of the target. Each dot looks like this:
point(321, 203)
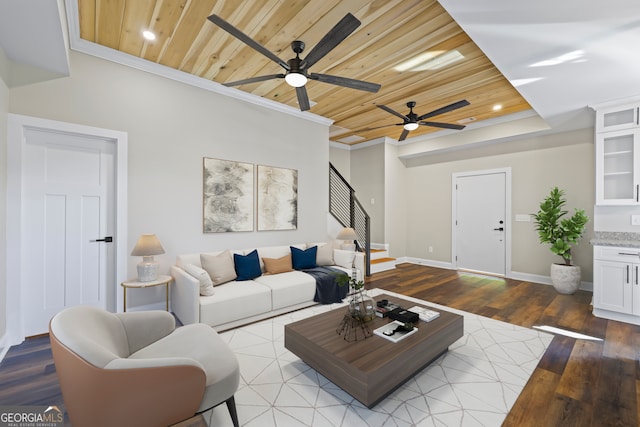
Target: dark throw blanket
point(327, 289)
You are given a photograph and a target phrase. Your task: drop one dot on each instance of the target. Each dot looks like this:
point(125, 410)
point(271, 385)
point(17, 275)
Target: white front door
point(68, 204)
point(480, 222)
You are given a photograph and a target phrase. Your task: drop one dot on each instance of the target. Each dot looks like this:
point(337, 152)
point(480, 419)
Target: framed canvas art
point(227, 196)
point(277, 198)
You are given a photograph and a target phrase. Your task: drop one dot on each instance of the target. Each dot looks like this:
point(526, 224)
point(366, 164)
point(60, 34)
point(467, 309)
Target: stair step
point(381, 260)
point(377, 250)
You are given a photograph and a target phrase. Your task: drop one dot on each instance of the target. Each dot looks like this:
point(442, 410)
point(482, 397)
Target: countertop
point(615, 238)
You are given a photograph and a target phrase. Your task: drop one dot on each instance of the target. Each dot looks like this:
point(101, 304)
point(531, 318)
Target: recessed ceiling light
point(497, 107)
point(467, 120)
point(148, 35)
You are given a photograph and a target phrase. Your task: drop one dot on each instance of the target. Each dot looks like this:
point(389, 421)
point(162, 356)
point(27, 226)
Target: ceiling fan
point(411, 121)
point(297, 69)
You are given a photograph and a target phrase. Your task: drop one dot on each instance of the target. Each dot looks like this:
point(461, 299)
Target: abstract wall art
point(277, 198)
point(227, 196)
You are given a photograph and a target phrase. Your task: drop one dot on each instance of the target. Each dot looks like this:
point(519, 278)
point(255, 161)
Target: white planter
point(565, 278)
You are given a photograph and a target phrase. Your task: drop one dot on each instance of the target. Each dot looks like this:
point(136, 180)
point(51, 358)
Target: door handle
point(499, 229)
point(107, 239)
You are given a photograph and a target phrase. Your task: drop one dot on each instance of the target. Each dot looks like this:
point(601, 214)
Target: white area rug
point(474, 384)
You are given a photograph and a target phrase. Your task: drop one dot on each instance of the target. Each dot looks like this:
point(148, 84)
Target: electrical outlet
point(430, 249)
point(635, 219)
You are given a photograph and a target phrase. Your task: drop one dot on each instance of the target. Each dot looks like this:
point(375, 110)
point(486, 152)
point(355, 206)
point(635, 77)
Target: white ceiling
point(31, 33)
point(599, 43)
point(577, 52)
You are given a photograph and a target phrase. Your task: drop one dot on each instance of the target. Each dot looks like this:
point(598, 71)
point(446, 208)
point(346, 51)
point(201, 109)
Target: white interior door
point(68, 204)
point(481, 222)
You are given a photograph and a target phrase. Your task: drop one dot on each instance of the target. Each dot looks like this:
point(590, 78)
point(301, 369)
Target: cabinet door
point(612, 286)
point(617, 162)
point(635, 285)
point(617, 118)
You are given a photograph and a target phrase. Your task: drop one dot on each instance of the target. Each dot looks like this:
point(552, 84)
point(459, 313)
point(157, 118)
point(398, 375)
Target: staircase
point(380, 260)
point(348, 211)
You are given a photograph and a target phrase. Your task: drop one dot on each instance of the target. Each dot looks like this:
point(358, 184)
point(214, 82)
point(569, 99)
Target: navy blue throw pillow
point(302, 259)
point(247, 266)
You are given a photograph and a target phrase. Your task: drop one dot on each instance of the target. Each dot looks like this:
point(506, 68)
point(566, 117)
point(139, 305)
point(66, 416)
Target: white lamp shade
point(347, 234)
point(147, 245)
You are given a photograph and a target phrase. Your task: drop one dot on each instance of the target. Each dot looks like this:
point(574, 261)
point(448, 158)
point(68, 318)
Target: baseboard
point(545, 280)
point(427, 262)
point(4, 347)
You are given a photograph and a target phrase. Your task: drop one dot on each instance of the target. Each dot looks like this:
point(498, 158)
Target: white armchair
point(138, 369)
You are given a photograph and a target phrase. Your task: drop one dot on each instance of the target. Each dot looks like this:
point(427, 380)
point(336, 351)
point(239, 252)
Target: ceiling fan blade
point(446, 109)
point(442, 125)
point(395, 113)
point(403, 135)
point(255, 80)
point(345, 82)
point(338, 33)
point(247, 40)
point(303, 98)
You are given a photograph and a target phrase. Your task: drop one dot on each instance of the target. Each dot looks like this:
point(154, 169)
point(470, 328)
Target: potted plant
point(560, 232)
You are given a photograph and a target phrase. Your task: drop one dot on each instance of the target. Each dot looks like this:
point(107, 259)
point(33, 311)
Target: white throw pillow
point(220, 267)
point(344, 258)
point(206, 286)
point(324, 254)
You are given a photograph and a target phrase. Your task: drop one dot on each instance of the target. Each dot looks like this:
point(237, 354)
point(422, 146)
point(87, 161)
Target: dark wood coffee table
point(372, 368)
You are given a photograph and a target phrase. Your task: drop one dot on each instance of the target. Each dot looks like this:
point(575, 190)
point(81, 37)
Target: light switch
point(373, 201)
point(635, 219)
point(523, 218)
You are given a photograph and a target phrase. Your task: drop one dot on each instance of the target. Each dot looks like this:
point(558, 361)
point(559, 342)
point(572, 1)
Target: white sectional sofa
point(238, 302)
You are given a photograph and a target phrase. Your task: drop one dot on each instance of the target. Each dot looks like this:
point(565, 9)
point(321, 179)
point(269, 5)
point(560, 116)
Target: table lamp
point(147, 246)
point(348, 235)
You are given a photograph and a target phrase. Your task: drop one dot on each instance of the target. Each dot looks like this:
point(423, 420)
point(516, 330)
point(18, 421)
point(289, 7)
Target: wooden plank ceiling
point(392, 32)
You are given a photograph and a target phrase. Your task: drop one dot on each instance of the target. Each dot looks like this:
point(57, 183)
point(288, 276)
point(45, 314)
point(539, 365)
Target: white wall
point(395, 194)
point(340, 158)
point(534, 173)
point(171, 127)
point(367, 179)
point(4, 110)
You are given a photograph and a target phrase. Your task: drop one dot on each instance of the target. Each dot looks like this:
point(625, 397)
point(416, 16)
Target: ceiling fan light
point(410, 126)
point(296, 79)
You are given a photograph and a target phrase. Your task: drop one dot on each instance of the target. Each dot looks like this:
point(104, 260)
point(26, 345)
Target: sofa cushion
point(290, 288)
point(324, 254)
point(247, 266)
point(220, 267)
point(234, 301)
point(302, 259)
point(206, 285)
point(277, 265)
point(344, 258)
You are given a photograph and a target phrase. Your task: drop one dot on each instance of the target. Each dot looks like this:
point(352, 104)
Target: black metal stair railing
point(347, 210)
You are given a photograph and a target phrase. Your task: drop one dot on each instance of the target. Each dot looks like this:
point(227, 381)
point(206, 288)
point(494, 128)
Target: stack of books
point(424, 313)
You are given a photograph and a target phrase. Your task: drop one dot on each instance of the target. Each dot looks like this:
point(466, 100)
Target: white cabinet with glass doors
point(618, 156)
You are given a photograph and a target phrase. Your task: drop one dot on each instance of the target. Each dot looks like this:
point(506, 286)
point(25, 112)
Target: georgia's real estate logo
point(31, 416)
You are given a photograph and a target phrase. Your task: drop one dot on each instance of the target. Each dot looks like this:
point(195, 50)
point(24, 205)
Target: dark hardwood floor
point(577, 382)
